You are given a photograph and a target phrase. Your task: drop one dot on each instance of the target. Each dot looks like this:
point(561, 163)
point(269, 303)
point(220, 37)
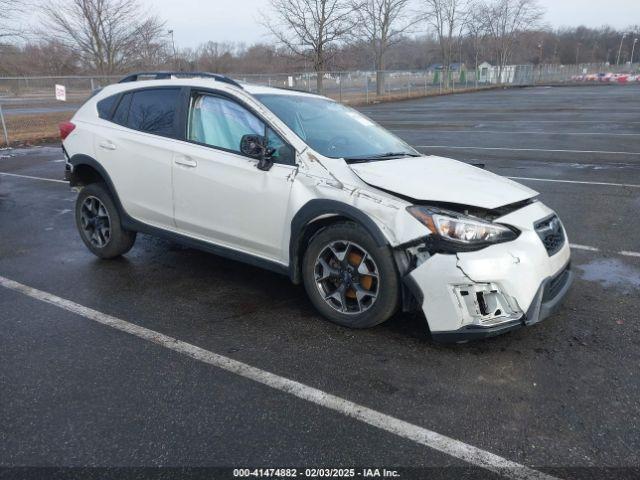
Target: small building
point(485, 70)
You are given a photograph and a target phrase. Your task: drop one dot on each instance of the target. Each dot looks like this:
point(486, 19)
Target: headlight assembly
point(454, 231)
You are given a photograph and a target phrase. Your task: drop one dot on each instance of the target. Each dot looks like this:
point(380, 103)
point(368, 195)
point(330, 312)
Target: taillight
point(65, 129)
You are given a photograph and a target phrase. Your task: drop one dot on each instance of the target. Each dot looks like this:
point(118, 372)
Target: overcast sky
point(196, 21)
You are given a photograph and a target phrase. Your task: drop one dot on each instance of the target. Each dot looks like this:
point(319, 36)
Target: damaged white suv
point(305, 186)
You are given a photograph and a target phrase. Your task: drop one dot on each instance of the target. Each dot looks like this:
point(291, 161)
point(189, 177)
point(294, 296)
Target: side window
point(222, 123)
point(154, 111)
point(122, 111)
point(284, 153)
point(105, 107)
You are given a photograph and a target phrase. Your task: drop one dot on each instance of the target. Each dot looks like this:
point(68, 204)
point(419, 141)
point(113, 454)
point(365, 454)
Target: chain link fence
point(357, 87)
point(29, 111)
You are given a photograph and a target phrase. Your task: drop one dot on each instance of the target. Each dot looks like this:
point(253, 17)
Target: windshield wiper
point(381, 156)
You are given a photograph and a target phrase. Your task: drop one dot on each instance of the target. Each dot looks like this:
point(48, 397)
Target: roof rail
point(134, 77)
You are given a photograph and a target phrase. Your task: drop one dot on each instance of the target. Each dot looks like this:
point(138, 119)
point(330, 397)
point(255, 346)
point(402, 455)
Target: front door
point(219, 194)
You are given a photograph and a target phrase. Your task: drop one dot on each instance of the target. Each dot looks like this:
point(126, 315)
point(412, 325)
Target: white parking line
point(608, 184)
point(587, 248)
point(456, 147)
point(510, 122)
point(501, 132)
point(32, 178)
point(576, 246)
point(415, 433)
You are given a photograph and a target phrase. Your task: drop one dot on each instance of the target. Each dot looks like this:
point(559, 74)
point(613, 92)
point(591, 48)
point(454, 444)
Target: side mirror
point(255, 146)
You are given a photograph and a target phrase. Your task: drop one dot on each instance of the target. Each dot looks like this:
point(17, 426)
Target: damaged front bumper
point(473, 295)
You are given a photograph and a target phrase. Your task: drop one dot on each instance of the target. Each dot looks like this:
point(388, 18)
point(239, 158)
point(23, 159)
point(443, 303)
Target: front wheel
point(349, 278)
point(98, 222)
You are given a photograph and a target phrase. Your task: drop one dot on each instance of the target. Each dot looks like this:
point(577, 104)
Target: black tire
point(387, 287)
point(118, 241)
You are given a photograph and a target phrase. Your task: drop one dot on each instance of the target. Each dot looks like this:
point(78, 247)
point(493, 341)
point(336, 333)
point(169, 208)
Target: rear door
point(137, 148)
point(219, 193)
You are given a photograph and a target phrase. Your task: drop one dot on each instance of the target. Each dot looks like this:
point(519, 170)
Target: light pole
point(578, 52)
point(633, 49)
point(624, 35)
point(173, 44)
point(541, 47)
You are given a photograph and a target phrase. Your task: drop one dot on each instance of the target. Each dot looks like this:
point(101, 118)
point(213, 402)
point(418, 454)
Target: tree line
point(108, 37)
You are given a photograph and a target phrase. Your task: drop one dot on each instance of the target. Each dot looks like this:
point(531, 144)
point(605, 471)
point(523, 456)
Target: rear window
point(105, 107)
point(154, 111)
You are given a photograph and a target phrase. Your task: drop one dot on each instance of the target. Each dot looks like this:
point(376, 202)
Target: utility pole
point(541, 47)
point(4, 128)
point(173, 44)
point(578, 53)
point(624, 35)
point(633, 49)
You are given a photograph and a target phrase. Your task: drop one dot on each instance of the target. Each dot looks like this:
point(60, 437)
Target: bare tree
point(505, 21)
point(9, 11)
point(382, 23)
point(445, 17)
point(152, 48)
point(108, 34)
point(312, 28)
point(50, 58)
point(476, 28)
point(217, 57)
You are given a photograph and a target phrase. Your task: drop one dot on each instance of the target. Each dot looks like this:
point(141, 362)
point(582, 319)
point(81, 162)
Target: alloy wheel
point(95, 221)
point(347, 277)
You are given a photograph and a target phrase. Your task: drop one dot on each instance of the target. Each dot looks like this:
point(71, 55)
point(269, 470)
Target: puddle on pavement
point(612, 273)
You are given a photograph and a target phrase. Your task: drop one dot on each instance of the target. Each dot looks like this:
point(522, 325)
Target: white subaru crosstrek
point(310, 188)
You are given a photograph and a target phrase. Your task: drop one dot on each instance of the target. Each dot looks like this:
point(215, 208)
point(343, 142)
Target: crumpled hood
point(439, 179)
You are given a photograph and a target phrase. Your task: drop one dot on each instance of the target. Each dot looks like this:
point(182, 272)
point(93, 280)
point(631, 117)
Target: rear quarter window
point(122, 112)
point(105, 107)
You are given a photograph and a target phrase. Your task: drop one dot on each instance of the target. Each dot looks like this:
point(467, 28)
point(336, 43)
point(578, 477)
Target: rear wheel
point(349, 278)
point(98, 222)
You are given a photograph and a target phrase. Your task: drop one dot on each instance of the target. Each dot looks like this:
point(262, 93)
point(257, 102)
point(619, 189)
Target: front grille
point(556, 284)
point(551, 233)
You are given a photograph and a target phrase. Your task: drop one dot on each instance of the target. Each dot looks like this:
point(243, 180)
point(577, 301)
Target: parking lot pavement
point(558, 397)
point(83, 395)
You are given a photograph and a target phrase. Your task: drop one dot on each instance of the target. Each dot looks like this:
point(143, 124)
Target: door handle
point(107, 146)
point(185, 161)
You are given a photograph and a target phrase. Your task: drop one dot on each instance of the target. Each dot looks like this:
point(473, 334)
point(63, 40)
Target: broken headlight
point(454, 231)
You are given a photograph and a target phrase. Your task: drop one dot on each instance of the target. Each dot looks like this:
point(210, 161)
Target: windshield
point(335, 130)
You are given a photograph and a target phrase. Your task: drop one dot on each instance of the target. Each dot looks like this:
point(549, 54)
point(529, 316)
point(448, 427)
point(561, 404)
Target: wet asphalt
point(561, 396)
